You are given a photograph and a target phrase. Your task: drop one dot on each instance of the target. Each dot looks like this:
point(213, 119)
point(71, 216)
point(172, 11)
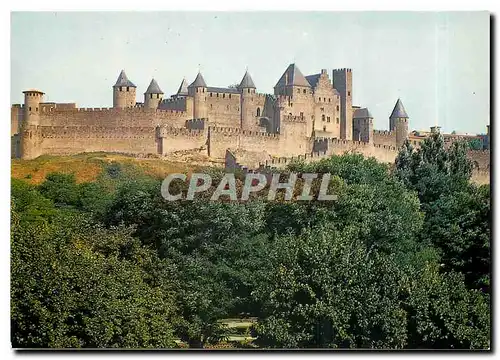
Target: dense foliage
point(401, 260)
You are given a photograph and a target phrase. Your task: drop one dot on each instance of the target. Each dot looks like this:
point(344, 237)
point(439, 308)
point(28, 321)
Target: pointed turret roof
point(183, 89)
point(362, 113)
point(399, 110)
point(199, 81)
point(123, 80)
point(153, 88)
point(247, 81)
point(292, 76)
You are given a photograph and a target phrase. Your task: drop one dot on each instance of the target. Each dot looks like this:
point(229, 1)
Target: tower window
point(150, 96)
point(258, 111)
point(128, 88)
point(230, 96)
point(324, 99)
point(223, 96)
point(30, 108)
point(329, 100)
point(304, 91)
point(301, 114)
point(338, 108)
point(328, 119)
point(248, 91)
point(217, 94)
point(323, 117)
point(36, 109)
point(348, 93)
point(324, 128)
point(211, 94)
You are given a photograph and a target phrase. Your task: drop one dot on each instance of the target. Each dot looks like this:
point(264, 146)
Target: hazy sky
point(438, 63)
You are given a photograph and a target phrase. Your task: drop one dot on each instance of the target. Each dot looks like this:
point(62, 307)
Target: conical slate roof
point(247, 81)
point(399, 110)
point(292, 76)
point(123, 80)
point(153, 88)
point(199, 81)
point(362, 113)
point(183, 89)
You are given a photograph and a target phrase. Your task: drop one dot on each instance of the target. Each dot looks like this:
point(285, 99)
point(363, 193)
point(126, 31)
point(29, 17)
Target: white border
point(198, 5)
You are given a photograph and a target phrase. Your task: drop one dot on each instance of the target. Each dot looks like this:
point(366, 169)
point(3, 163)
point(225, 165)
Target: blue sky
point(438, 63)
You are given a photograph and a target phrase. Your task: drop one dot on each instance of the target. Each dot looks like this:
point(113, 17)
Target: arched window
point(258, 111)
point(304, 91)
point(323, 117)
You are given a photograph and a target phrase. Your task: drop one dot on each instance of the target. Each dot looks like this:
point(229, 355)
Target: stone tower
point(398, 122)
point(123, 92)
point(153, 95)
point(247, 90)
point(342, 81)
point(198, 90)
point(30, 132)
point(363, 125)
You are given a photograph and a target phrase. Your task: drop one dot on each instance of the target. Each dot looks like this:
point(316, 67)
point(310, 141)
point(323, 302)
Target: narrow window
point(36, 109)
point(128, 88)
point(298, 91)
point(304, 91)
point(324, 99)
point(324, 128)
point(323, 117)
point(30, 108)
point(348, 93)
point(248, 91)
point(217, 94)
point(210, 106)
point(230, 96)
point(210, 94)
point(150, 96)
point(258, 111)
point(338, 108)
point(223, 96)
point(337, 120)
point(228, 107)
point(329, 100)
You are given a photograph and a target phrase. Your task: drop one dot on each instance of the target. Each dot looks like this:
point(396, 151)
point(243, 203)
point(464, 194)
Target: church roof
point(183, 89)
point(154, 88)
point(362, 113)
point(247, 81)
point(313, 79)
point(199, 81)
point(222, 90)
point(399, 110)
point(123, 80)
point(292, 76)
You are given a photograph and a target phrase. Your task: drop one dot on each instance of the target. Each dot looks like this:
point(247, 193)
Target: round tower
point(198, 91)
point(153, 95)
point(31, 120)
point(398, 122)
point(247, 91)
point(124, 92)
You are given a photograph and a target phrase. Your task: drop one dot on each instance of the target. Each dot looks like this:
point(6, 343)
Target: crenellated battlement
point(383, 133)
point(196, 124)
point(228, 131)
point(168, 131)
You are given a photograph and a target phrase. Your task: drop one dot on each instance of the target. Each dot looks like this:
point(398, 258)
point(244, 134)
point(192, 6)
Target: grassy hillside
point(87, 167)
